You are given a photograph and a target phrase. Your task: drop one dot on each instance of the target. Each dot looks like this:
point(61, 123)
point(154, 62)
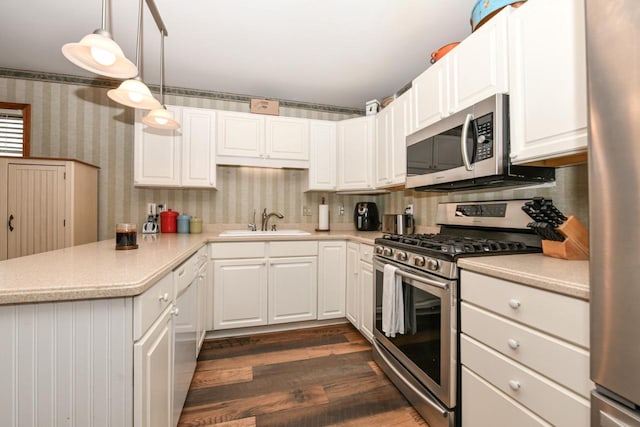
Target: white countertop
point(97, 270)
point(565, 277)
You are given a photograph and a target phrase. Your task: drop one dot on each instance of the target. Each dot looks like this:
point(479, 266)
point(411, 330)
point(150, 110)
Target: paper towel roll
point(323, 217)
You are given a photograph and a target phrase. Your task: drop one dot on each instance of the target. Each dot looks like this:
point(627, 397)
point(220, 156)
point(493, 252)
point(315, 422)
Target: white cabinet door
point(430, 94)
point(353, 284)
point(157, 152)
point(198, 147)
point(479, 65)
point(356, 142)
point(239, 293)
point(384, 146)
point(332, 275)
point(400, 128)
point(287, 138)
point(323, 155)
point(240, 134)
point(548, 102)
point(293, 288)
point(203, 283)
point(153, 375)
point(367, 302)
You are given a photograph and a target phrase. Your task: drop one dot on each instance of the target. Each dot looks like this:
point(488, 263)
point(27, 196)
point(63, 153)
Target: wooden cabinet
point(392, 127)
point(356, 145)
point(48, 204)
point(474, 70)
point(522, 347)
point(254, 140)
point(548, 102)
point(332, 277)
point(260, 283)
point(176, 158)
point(360, 288)
point(322, 156)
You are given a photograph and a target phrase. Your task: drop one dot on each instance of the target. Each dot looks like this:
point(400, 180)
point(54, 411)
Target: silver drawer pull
point(164, 298)
point(514, 303)
point(513, 343)
point(514, 385)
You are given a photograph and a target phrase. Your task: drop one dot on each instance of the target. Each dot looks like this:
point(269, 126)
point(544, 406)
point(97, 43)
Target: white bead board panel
point(66, 364)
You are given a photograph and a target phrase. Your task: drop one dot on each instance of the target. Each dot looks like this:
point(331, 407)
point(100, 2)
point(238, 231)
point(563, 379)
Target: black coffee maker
point(365, 216)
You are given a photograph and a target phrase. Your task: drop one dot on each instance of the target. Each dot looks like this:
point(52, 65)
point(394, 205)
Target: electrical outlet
point(341, 210)
point(306, 211)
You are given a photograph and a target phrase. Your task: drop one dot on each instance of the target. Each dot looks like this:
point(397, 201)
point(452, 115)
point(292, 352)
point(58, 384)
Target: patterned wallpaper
point(77, 120)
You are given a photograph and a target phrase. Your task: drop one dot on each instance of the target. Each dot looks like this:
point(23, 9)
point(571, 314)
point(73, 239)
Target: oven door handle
point(463, 142)
point(425, 280)
point(413, 388)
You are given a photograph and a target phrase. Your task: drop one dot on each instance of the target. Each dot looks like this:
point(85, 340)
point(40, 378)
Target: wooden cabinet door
point(400, 128)
point(293, 288)
point(548, 89)
point(384, 146)
point(353, 284)
point(430, 94)
point(332, 275)
point(287, 138)
point(355, 153)
point(198, 148)
point(157, 152)
point(153, 375)
point(322, 156)
point(240, 134)
point(367, 302)
point(35, 208)
point(239, 293)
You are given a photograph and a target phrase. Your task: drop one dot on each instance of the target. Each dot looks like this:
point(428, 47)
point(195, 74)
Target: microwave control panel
point(484, 132)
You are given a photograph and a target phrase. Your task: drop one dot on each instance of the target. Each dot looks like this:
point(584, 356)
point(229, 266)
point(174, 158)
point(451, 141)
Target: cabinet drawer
point(558, 315)
point(150, 304)
point(232, 250)
point(555, 359)
point(366, 253)
point(485, 405)
point(304, 248)
point(525, 386)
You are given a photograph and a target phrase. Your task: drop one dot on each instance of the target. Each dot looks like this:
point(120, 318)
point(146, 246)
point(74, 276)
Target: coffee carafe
point(366, 217)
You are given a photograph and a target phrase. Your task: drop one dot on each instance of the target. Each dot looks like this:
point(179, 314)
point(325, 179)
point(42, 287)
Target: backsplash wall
point(79, 121)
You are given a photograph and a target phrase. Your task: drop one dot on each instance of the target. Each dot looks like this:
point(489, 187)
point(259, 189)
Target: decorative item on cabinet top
point(484, 10)
point(264, 106)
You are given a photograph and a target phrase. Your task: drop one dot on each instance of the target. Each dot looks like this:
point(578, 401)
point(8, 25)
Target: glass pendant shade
point(100, 54)
point(134, 93)
point(160, 118)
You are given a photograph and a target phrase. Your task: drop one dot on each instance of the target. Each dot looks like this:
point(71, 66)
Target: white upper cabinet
point(548, 102)
point(356, 143)
point(323, 156)
point(198, 148)
point(253, 140)
point(474, 70)
point(176, 158)
point(392, 127)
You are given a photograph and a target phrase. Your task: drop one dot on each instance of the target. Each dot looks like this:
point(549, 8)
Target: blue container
point(183, 223)
point(485, 9)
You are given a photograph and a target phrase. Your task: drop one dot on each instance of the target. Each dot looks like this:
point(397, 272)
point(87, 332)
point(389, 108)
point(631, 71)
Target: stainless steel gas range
point(416, 287)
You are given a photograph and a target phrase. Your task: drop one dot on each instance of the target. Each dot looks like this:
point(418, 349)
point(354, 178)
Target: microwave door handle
point(463, 142)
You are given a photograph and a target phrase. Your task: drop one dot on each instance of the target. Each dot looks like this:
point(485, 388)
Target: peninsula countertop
point(97, 270)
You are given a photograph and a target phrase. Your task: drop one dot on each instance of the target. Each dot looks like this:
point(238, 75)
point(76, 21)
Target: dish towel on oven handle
point(392, 302)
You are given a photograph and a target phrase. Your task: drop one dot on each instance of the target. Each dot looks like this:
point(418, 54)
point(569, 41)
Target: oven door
point(427, 349)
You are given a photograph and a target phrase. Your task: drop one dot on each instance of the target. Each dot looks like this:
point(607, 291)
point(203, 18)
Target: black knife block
point(575, 245)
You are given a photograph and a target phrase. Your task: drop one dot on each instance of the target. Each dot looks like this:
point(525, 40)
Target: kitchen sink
point(249, 233)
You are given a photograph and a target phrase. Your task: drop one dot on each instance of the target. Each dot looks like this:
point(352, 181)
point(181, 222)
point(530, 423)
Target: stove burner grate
point(450, 244)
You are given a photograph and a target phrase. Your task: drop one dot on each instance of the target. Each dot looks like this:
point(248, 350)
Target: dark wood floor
point(312, 377)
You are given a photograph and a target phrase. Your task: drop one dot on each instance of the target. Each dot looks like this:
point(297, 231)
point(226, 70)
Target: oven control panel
point(420, 262)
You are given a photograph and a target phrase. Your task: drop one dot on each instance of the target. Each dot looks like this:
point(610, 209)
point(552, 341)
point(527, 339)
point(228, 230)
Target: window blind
point(11, 135)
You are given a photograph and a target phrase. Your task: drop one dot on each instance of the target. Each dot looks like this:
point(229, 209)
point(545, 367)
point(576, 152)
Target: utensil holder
point(576, 243)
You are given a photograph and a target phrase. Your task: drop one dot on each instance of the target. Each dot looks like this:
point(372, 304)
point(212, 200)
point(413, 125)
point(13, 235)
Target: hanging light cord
point(162, 67)
point(139, 43)
point(104, 16)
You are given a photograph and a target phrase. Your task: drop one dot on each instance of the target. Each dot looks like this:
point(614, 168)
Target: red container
point(168, 221)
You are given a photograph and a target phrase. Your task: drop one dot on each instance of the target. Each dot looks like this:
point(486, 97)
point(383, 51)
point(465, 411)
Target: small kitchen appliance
point(366, 217)
point(151, 225)
point(423, 358)
point(398, 224)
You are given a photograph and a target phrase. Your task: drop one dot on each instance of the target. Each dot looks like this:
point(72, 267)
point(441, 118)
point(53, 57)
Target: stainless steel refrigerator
point(613, 71)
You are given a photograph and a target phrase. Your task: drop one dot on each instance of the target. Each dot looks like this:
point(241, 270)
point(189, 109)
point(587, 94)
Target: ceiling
point(334, 52)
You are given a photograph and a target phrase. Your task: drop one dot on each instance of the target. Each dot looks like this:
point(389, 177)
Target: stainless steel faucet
point(266, 216)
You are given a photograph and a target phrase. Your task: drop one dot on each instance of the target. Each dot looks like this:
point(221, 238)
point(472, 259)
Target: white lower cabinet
point(360, 288)
point(293, 289)
point(522, 348)
point(332, 277)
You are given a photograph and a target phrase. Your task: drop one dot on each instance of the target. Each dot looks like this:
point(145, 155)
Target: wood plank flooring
point(311, 377)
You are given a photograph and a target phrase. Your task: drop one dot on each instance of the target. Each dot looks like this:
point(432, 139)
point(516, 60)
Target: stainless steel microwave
point(468, 149)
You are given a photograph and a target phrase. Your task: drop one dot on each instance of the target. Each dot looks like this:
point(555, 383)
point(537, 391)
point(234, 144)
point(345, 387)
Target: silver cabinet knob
point(514, 303)
point(514, 385)
point(513, 343)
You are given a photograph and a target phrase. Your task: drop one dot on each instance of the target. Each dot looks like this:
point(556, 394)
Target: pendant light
point(133, 92)
point(99, 53)
point(161, 118)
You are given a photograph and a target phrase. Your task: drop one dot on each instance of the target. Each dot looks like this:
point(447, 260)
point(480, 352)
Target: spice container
point(168, 221)
point(183, 223)
point(195, 225)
